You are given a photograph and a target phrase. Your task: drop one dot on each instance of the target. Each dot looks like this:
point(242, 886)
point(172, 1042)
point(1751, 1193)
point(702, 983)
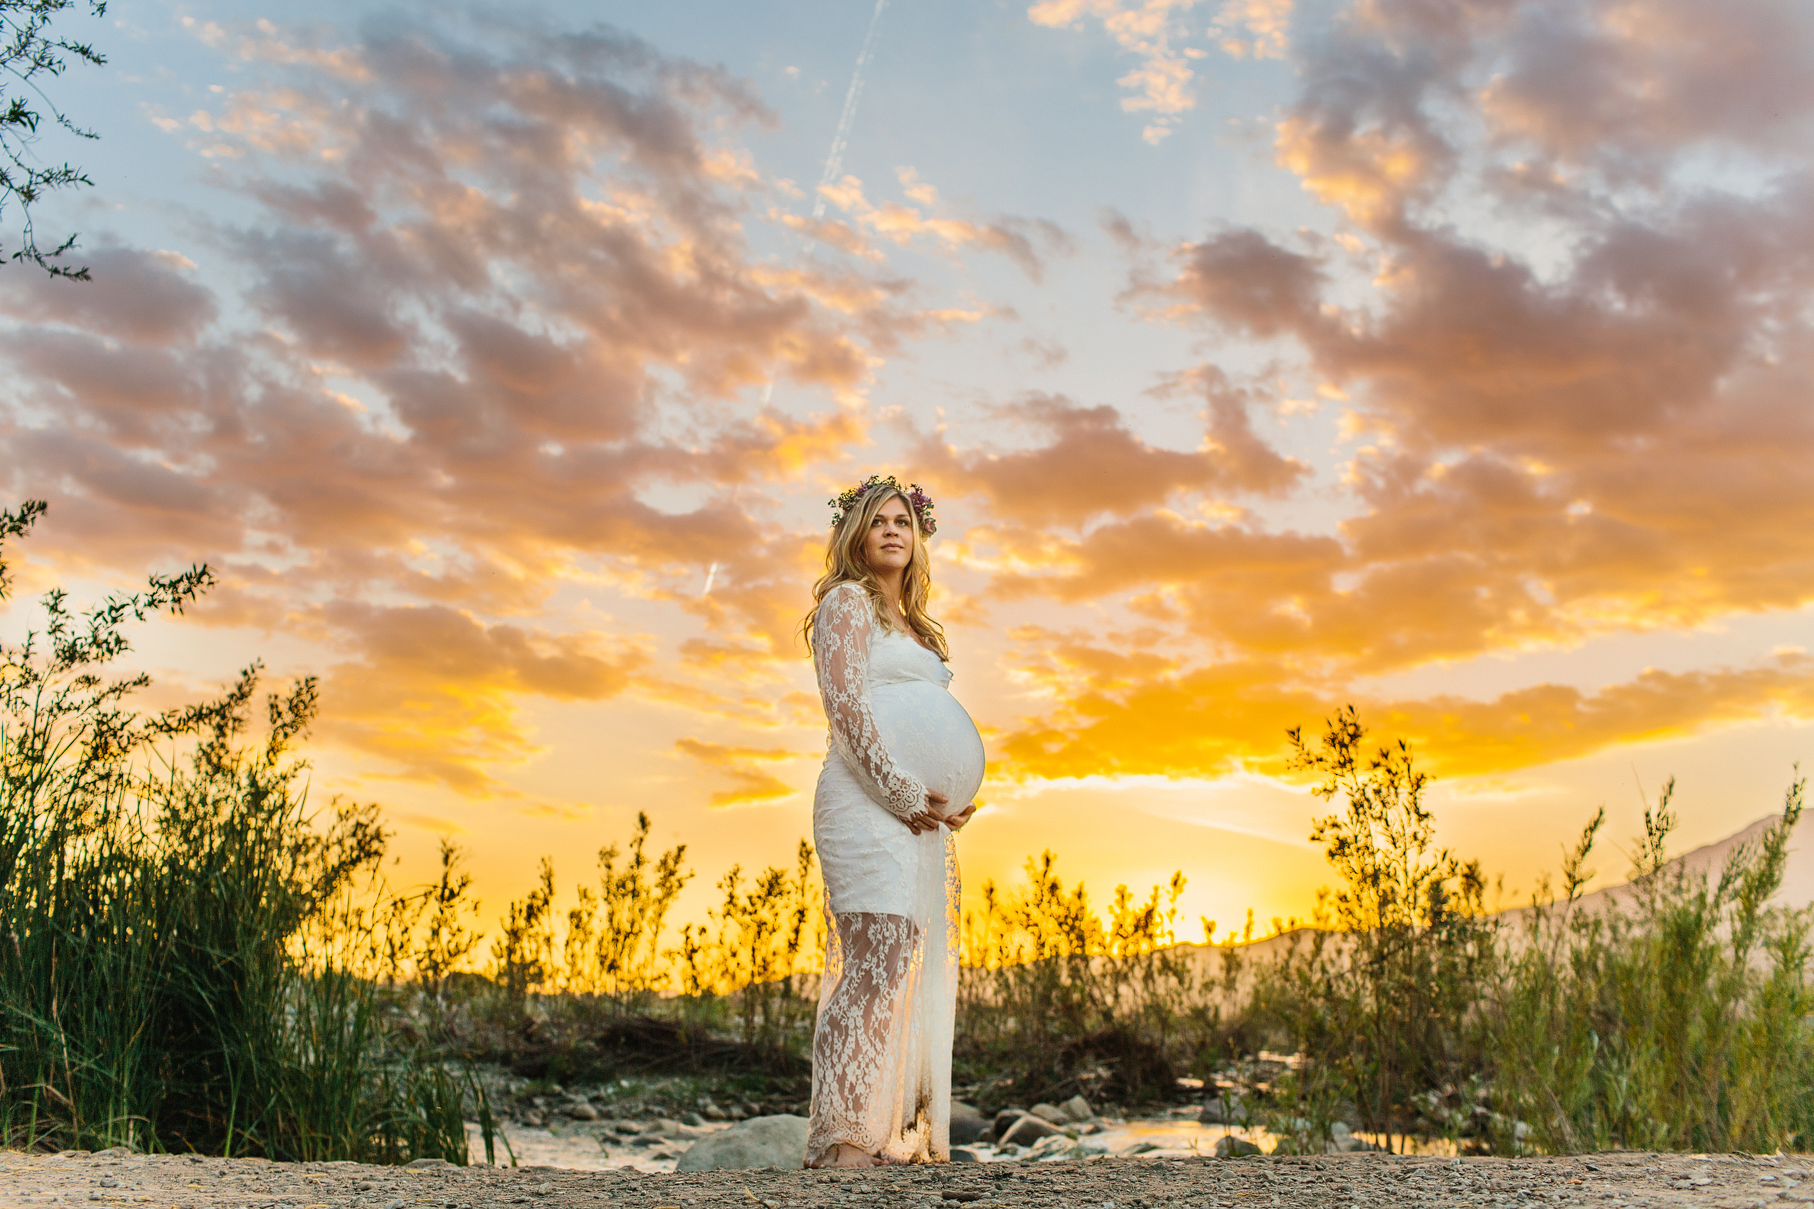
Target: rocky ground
point(1608, 1181)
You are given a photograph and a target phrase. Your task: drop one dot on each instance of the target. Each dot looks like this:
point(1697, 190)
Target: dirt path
point(1606, 1181)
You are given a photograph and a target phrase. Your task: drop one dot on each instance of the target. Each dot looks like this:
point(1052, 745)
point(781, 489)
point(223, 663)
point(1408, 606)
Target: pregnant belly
point(931, 736)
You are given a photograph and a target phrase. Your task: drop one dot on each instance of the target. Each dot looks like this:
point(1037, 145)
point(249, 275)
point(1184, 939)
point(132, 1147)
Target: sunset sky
point(1447, 357)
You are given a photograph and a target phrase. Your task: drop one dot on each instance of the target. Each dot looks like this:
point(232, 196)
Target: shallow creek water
point(579, 1149)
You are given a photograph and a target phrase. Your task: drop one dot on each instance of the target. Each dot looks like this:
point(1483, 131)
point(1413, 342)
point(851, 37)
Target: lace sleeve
point(841, 658)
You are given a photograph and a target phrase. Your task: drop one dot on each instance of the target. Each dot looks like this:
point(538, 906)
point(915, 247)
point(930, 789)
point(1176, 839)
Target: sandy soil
point(1606, 1180)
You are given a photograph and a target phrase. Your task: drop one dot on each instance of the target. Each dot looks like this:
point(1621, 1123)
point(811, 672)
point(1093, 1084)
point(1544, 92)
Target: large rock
point(1050, 1113)
point(1005, 1119)
point(1343, 1141)
point(967, 1124)
point(1230, 1147)
point(778, 1141)
point(1224, 1110)
point(1028, 1130)
point(1078, 1109)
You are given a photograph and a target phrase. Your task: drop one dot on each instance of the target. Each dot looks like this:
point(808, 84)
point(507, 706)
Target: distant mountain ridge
point(1798, 874)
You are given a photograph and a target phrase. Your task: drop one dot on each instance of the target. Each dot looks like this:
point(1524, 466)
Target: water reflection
point(1166, 1137)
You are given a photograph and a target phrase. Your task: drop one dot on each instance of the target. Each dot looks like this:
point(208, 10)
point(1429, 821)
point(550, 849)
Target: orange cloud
point(430, 822)
point(502, 310)
point(1610, 443)
point(1095, 464)
point(1622, 88)
point(1158, 32)
point(151, 298)
point(1161, 84)
point(434, 693)
point(1027, 242)
point(751, 784)
point(1133, 713)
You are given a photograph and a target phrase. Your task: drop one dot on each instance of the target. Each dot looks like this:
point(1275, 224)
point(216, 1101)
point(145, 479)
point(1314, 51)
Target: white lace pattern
point(841, 638)
point(882, 1048)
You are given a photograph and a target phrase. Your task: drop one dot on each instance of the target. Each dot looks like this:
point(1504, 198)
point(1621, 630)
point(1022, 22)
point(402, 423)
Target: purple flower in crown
point(922, 503)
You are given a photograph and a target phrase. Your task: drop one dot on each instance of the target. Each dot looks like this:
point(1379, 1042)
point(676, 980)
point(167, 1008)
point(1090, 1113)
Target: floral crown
point(922, 503)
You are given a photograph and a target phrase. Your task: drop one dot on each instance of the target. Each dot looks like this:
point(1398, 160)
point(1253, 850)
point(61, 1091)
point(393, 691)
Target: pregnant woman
point(902, 770)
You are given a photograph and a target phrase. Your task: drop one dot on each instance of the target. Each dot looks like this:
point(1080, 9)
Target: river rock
point(1005, 1119)
point(1223, 1110)
point(777, 1141)
point(1343, 1141)
point(1028, 1130)
point(967, 1123)
point(1078, 1109)
point(1230, 1147)
point(1050, 1113)
point(582, 1111)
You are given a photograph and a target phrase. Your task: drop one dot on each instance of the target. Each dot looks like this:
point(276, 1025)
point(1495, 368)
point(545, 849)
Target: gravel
point(1605, 1181)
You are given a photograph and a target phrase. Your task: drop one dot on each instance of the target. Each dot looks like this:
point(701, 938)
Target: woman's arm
point(841, 658)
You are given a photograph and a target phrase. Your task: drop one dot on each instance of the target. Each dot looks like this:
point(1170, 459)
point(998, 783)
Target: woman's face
point(889, 543)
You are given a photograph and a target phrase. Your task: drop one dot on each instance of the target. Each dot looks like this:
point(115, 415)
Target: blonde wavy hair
point(845, 563)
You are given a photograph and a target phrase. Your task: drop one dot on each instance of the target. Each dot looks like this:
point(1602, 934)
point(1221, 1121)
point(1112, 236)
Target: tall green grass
point(191, 959)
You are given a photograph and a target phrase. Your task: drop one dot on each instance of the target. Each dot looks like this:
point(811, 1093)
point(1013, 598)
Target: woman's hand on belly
point(927, 818)
point(956, 821)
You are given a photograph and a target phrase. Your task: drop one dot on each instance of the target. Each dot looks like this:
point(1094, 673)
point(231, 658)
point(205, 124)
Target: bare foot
point(846, 1155)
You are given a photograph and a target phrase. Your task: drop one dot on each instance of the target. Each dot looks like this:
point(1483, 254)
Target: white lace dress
point(882, 1048)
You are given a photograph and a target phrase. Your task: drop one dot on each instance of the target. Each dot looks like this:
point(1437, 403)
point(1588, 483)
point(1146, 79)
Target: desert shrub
point(1378, 998)
point(1677, 1016)
point(770, 941)
point(1054, 999)
point(606, 994)
point(613, 942)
